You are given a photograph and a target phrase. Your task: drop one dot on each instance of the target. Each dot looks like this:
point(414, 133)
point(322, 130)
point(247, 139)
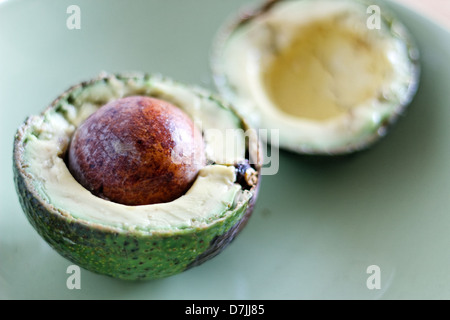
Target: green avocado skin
point(115, 252)
point(127, 255)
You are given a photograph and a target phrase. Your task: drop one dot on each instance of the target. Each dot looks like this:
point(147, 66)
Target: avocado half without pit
point(330, 76)
point(137, 176)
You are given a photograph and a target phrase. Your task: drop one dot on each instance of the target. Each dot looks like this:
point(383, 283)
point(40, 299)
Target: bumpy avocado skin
point(124, 254)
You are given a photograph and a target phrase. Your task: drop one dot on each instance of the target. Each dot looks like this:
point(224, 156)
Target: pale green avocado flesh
point(328, 75)
point(135, 242)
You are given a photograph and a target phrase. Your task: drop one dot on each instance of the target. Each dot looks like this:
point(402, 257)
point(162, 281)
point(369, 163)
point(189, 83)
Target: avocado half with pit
point(137, 241)
point(329, 76)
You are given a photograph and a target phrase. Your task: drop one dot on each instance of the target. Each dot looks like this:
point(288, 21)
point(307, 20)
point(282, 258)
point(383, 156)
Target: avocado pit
point(137, 150)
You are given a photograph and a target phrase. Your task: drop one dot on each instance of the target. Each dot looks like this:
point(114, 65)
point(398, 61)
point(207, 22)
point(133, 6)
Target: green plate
point(318, 226)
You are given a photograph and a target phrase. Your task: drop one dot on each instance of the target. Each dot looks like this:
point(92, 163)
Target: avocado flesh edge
point(121, 253)
point(128, 255)
point(50, 133)
point(369, 132)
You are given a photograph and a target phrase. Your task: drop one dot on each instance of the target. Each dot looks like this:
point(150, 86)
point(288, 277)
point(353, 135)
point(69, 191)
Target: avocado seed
point(137, 150)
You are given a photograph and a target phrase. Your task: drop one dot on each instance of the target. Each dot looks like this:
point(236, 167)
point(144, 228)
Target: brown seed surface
point(137, 150)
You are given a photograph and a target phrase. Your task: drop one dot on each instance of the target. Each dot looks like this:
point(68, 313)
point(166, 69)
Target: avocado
point(331, 76)
point(137, 242)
